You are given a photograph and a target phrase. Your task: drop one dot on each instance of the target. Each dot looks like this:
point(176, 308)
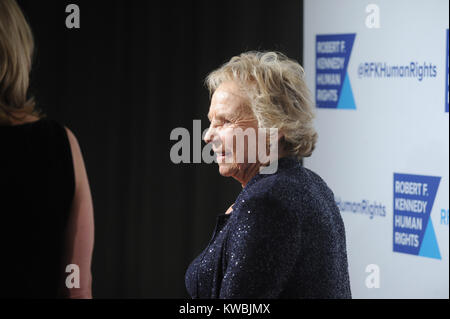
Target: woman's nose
point(209, 136)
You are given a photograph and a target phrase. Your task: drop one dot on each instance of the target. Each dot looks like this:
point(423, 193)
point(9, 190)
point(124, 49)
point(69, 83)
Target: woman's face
point(230, 115)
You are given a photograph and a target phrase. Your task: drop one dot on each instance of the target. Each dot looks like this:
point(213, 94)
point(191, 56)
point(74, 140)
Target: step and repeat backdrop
point(378, 72)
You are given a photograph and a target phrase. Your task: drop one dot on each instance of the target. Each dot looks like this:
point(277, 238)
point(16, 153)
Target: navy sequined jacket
point(285, 238)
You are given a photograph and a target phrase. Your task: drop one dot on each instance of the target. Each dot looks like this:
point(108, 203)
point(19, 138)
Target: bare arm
point(80, 234)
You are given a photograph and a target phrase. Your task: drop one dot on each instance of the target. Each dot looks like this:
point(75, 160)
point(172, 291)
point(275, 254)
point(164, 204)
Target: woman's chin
point(226, 169)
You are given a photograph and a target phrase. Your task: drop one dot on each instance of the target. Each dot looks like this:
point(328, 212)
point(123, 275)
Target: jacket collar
point(284, 163)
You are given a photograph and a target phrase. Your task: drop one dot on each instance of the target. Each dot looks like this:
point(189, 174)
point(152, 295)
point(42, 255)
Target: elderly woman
point(283, 237)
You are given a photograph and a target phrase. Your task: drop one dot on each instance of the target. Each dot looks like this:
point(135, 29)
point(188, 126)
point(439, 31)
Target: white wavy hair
point(277, 95)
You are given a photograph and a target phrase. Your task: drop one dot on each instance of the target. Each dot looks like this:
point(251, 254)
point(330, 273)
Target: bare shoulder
point(70, 134)
point(76, 151)
point(78, 163)
point(72, 139)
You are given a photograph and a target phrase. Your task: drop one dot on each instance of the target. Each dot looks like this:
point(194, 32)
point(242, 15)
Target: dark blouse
point(36, 190)
point(285, 238)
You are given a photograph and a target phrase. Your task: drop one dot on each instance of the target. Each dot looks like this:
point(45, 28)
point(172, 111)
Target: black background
point(132, 73)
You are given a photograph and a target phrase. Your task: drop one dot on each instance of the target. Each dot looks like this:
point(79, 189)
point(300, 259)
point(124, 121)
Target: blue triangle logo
point(346, 100)
point(429, 247)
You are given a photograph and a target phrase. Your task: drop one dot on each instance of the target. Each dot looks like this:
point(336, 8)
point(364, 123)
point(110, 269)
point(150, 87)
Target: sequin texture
point(284, 239)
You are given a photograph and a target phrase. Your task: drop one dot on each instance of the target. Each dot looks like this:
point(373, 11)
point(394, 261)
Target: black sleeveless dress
point(36, 190)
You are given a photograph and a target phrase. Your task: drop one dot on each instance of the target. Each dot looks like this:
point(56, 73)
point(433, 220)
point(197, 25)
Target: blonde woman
point(284, 236)
point(45, 201)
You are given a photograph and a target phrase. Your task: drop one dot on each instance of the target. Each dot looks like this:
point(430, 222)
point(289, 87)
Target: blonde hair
point(277, 94)
point(16, 50)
